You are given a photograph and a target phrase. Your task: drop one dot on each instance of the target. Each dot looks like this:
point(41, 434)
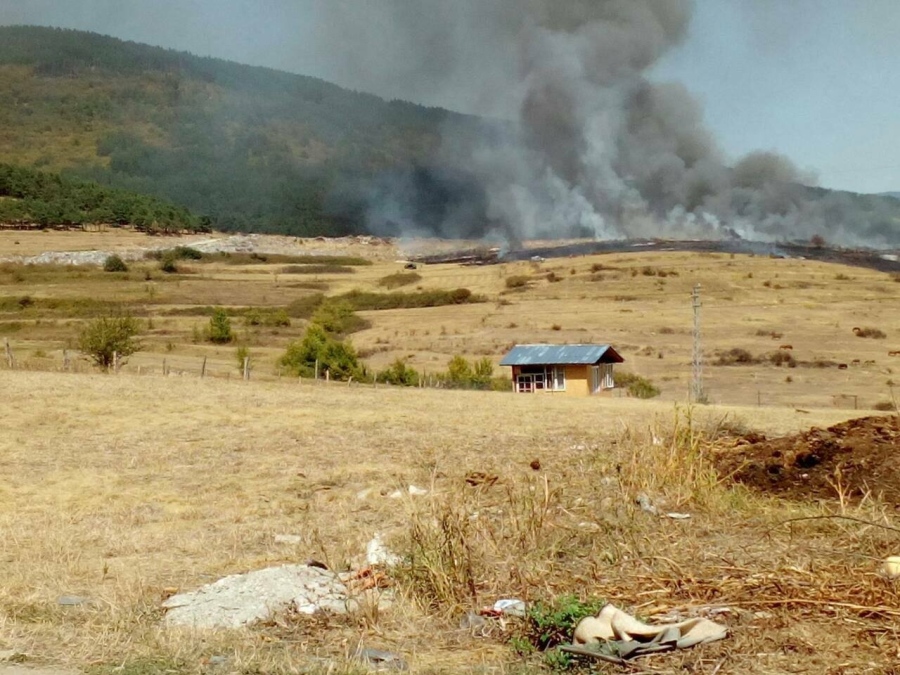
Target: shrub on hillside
point(114, 263)
point(735, 356)
point(637, 386)
point(400, 374)
point(339, 358)
point(338, 318)
point(219, 329)
point(108, 338)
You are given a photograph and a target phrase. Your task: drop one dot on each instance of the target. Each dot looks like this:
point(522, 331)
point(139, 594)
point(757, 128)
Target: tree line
point(31, 198)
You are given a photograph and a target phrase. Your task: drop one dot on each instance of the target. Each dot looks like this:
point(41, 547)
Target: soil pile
point(861, 456)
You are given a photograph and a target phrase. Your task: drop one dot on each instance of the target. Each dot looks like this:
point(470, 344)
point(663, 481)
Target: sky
point(815, 80)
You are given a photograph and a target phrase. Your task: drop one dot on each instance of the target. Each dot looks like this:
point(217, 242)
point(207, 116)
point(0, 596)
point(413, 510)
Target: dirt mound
point(858, 457)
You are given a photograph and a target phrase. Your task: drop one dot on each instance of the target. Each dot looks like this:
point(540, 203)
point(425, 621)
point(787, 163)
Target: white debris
point(416, 491)
point(510, 607)
point(379, 554)
point(891, 567)
point(242, 599)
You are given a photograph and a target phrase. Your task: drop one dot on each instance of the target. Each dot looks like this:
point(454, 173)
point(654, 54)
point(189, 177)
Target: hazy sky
point(817, 80)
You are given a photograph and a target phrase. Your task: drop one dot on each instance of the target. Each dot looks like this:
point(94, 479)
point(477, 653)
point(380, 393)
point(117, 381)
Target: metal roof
point(556, 355)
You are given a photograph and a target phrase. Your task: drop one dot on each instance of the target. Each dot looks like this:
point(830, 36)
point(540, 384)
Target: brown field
point(122, 488)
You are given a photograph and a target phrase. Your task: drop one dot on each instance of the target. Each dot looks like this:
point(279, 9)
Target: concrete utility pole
point(697, 395)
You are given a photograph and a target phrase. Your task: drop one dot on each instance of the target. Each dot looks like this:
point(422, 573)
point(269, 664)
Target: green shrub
point(177, 253)
point(114, 263)
point(168, 264)
point(106, 338)
point(338, 318)
point(338, 357)
point(241, 353)
point(399, 374)
point(219, 329)
point(550, 624)
point(637, 386)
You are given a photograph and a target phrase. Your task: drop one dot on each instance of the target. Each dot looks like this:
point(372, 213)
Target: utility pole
point(697, 395)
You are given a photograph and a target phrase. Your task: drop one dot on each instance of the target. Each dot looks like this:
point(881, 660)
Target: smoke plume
point(587, 142)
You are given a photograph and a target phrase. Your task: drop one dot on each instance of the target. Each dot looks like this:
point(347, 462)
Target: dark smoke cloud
point(592, 145)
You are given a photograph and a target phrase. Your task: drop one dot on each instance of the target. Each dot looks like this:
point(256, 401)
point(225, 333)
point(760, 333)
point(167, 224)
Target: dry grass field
point(638, 302)
point(121, 489)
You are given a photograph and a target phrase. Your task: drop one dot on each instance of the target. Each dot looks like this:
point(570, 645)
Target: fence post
point(203, 369)
point(246, 368)
point(65, 359)
point(10, 360)
point(350, 382)
point(165, 369)
point(317, 370)
point(116, 362)
point(327, 375)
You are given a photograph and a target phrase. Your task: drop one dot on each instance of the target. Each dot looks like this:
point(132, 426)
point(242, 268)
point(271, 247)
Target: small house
point(575, 370)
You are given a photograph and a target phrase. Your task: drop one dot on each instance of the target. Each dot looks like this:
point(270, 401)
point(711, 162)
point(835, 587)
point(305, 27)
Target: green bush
point(338, 357)
point(241, 353)
point(168, 264)
point(219, 330)
point(106, 338)
point(550, 624)
point(637, 386)
point(177, 253)
point(114, 263)
point(338, 318)
point(399, 374)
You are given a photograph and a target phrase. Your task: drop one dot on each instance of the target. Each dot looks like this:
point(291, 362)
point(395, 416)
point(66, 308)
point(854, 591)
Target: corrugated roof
point(557, 355)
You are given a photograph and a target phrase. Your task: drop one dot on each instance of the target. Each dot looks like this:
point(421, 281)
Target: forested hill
point(251, 148)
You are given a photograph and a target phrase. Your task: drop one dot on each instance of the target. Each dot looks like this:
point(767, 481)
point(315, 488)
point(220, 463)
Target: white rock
point(242, 599)
point(416, 491)
point(379, 554)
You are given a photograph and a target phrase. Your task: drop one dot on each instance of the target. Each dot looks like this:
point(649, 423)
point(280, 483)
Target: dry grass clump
point(869, 332)
point(399, 279)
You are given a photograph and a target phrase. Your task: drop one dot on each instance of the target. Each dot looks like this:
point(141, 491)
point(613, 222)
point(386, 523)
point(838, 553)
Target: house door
point(525, 384)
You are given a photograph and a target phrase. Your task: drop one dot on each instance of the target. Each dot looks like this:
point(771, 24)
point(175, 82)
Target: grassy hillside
point(254, 149)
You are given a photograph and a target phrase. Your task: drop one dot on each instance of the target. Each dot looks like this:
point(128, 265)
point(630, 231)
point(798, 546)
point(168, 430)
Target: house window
point(559, 379)
point(541, 378)
point(606, 376)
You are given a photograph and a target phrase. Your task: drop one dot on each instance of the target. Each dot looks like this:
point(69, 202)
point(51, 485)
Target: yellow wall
point(578, 381)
